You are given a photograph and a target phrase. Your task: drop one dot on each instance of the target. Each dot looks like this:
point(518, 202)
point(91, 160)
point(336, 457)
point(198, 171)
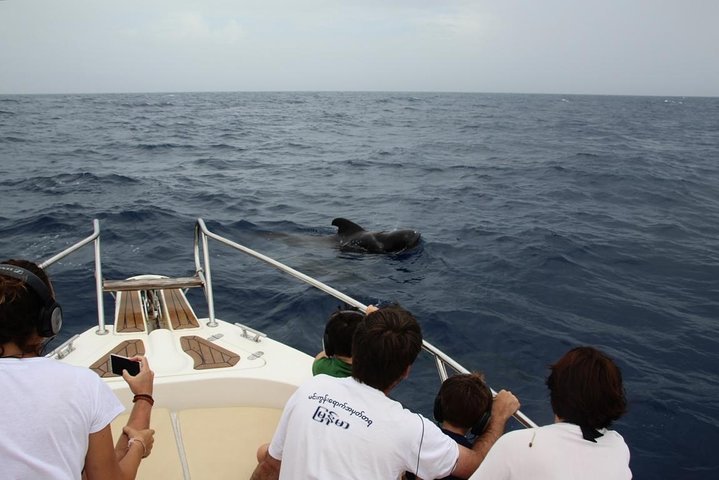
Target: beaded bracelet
point(144, 396)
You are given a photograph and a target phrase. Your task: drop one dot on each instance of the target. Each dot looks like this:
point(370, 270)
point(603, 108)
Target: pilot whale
point(354, 238)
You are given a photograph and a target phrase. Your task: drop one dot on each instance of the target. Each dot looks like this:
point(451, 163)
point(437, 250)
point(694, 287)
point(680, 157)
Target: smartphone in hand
point(120, 363)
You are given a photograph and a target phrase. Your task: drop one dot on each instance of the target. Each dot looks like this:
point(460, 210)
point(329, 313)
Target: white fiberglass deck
point(208, 421)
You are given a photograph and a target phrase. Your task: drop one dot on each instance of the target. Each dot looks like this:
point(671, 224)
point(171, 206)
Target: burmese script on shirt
point(324, 414)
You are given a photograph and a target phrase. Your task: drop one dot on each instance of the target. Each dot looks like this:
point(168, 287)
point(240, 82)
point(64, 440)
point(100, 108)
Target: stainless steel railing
point(95, 238)
point(203, 270)
point(202, 257)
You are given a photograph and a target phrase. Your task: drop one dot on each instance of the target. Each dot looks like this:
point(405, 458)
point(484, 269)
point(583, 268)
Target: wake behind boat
point(220, 386)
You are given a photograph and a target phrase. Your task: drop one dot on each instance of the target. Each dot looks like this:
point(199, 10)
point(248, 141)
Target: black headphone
point(480, 425)
point(329, 347)
point(49, 322)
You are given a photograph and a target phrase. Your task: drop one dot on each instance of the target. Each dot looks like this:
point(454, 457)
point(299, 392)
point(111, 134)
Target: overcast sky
point(626, 47)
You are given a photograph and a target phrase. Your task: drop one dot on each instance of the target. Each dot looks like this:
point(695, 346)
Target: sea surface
point(547, 222)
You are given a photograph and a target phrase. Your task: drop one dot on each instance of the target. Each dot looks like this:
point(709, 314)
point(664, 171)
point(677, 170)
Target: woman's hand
point(142, 382)
point(145, 437)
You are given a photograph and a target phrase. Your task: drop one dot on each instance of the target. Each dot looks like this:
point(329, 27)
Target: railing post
point(208, 278)
point(101, 329)
point(441, 368)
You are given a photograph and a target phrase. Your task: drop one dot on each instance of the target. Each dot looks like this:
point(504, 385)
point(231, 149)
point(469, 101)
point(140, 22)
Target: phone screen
point(119, 363)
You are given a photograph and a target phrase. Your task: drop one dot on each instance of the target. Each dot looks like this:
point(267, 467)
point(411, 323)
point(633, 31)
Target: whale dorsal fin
point(346, 227)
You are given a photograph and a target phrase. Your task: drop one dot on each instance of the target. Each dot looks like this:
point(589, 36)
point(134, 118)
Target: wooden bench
point(150, 284)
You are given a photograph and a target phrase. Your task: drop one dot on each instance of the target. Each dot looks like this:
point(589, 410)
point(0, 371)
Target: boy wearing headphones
point(462, 407)
point(335, 359)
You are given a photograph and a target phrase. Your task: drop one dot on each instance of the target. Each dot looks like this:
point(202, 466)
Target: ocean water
point(547, 222)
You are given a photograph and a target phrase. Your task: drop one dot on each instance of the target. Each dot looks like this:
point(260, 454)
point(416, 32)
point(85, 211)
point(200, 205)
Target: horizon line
point(444, 92)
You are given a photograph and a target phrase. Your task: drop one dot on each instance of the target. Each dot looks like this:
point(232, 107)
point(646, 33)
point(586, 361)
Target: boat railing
point(95, 240)
point(203, 271)
point(202, 266)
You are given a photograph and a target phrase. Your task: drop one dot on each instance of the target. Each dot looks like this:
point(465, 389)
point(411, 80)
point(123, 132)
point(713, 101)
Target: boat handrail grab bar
point(200, 227)
point(95, 238)
point(201, 235)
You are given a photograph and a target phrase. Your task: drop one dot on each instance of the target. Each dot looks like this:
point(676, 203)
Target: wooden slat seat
point(178, 311)
point(206, 354)
point(128, 348)
point(130, 314)
point(151, 284)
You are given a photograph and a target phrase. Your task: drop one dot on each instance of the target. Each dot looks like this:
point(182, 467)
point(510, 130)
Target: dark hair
point(464, 399)
point(586, 388)
point(385, 343)
point(339, 331)
point(18, 305)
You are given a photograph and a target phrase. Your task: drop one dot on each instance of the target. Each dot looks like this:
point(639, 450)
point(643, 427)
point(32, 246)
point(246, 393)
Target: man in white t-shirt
point(587, 395)
point(349, 427)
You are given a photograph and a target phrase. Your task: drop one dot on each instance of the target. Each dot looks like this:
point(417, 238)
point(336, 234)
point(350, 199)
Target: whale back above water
point(354, 238)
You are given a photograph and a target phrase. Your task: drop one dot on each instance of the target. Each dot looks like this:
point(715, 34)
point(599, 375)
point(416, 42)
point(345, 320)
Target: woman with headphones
point(56, 417)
